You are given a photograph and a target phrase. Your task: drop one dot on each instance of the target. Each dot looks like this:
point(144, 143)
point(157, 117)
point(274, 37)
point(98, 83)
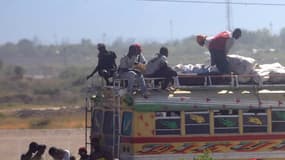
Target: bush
point(47, 91)
point(205, 156)
point(19, 72)
point(39, 123)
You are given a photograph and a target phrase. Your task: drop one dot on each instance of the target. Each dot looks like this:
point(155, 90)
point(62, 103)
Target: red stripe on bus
point(171, 139)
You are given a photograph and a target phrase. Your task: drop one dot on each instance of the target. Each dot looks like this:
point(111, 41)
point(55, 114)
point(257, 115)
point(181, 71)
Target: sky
point(70, 21)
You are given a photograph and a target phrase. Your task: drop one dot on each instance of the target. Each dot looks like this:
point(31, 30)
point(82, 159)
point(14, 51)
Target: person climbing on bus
point(158, 67)
point(34, 152)
point(82, 151)
point(98, 151)
point(219, 47)
point(106, 66)
point(131, 69)
point(59, 154)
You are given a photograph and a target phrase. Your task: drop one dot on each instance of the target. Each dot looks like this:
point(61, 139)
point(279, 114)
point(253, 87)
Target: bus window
point(226, 123)
point(167, 123)
point(197, 122)
point(108, 123)
point(254, 122)
point(97, 120)
point(278, 120)
point(127, 123)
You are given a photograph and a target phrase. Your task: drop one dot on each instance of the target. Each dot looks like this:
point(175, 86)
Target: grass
point(10, 120)
point(42, 123)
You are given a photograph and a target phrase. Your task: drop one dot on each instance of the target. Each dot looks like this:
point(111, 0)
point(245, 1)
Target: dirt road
point(15, 142)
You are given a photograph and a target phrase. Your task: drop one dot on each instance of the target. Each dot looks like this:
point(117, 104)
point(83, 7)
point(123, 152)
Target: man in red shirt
point(219, 47)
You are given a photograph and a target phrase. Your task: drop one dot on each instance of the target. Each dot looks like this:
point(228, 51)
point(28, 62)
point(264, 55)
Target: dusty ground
point(14, 142)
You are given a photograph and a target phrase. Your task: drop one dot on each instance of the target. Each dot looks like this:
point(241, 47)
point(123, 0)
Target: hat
point(201, 39)
point(138, 46)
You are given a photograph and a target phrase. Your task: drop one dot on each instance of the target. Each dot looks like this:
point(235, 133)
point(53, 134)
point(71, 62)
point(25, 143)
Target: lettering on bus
point(250, 146)
point(243, 146)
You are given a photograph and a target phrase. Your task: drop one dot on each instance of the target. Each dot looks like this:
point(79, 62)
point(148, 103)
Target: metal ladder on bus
point(88, 125)
point(116, 126)
point(89, 108)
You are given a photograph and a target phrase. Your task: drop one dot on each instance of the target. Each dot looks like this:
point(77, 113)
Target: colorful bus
point(231, 121)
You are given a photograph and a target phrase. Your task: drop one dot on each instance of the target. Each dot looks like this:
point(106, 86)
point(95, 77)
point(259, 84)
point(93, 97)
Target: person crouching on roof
point(158, 67)
point(129, 69)
point(106, 66)
point(219, 47)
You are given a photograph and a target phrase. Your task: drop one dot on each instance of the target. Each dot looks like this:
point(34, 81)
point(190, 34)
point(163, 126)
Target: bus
point(229, 120)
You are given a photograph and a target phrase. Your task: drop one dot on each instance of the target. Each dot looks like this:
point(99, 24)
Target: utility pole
point(228, 15)
point(171, 29)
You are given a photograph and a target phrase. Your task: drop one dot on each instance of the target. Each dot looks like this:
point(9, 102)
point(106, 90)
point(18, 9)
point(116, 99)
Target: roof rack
point(225, 81)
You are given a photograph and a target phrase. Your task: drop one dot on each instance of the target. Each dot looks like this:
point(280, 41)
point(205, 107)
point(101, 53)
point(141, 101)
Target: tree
point(204, 156)
point(26, 47)
point(1, 64)
point(19, 72)
point(282, 37)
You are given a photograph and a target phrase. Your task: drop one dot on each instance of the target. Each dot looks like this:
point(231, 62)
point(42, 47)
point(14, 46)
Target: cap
point(138, 46)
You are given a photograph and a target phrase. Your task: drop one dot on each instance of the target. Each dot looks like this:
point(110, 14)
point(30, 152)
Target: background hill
point(37, 74)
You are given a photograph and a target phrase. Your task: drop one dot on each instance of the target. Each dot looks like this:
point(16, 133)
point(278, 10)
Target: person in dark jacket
point(99, 151)
point(106, 66)
point(82, 151)
point(34, 152)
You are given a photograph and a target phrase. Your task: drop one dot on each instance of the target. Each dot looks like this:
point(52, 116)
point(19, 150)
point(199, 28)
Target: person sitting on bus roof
point(158, 67)
point(131, 67)
point(219, 47)
point(106, 66)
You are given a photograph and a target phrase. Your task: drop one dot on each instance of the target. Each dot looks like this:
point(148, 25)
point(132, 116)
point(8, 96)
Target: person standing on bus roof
point(219, 47)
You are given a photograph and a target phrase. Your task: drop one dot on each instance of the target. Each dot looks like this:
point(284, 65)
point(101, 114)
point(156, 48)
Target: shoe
point(145, 95)
point(171, 88)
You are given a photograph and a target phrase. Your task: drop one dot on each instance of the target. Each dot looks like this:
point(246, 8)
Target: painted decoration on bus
point(222, 146)
point(226, 124)
point(254, 122)
point(197, 123)
point(278, 121)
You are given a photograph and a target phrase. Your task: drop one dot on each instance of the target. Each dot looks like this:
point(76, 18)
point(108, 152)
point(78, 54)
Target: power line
point(219, 2)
